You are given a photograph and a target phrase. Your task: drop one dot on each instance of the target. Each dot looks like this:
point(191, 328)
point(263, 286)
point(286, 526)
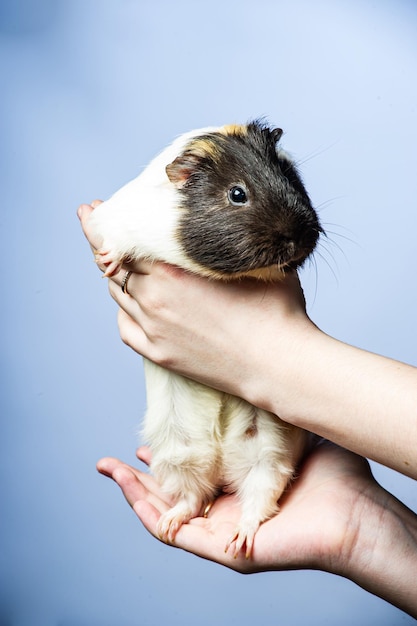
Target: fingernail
point(80, 212)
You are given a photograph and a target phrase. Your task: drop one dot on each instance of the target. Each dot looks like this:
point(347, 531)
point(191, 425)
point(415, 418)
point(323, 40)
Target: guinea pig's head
point(243, 207)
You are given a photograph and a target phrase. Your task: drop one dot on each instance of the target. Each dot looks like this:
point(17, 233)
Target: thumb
point(84, 212)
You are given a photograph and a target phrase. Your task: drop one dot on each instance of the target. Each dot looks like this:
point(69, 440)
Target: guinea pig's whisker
point(331, 243)
point(316, 153)
point(312, 261)
point(341, 235)
point(329, 265)
point(326, 204)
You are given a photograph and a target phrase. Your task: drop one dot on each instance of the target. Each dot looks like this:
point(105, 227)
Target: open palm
point(314, 523)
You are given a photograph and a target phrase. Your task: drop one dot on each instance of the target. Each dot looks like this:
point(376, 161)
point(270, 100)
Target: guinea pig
point(224, 203)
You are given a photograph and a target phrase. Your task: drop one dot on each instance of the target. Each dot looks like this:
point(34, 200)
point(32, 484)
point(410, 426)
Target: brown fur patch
point(239, 130)
point(251, 431)
point(204, 147)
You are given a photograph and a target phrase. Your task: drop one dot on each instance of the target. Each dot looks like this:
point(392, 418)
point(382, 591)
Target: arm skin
point(256, 341)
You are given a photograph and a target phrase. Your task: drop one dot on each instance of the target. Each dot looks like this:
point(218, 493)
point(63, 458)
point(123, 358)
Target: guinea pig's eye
point(237, 195)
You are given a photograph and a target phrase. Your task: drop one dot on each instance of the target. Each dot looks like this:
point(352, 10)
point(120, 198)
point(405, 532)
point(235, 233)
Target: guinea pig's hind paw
point(170, 523)
point(242, 537)
point(112, 265)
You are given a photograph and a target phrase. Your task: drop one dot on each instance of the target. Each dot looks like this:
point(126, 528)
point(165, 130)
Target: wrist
point(379, 549)
point(339, 392)
point(281, 379)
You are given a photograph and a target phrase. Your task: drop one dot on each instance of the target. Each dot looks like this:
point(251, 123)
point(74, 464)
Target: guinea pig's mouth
point(278, 270)
point(274, 270)
point(296, 261)
point(269, 273)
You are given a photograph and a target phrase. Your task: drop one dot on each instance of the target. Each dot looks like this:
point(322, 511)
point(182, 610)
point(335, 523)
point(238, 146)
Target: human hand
point(201, 328)
point(335, 517)
point(315, 528)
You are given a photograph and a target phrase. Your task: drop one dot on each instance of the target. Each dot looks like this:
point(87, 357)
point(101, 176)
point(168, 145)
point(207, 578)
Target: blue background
point(90, 91)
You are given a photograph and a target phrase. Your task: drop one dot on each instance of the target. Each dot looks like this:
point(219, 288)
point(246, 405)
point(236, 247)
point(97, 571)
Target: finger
point(134, 484)
point(122, 474)
point(148, 515)
point(141, 487)
point(133, 489)
point(143, 267)
point(131, 333)
point(84, 213)
point(109, 465)
point(144, 454)
point(127, 304)
point(132, 286)
point(136, 269)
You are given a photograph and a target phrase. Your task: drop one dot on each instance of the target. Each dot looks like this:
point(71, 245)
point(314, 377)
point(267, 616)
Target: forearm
point(344, 394)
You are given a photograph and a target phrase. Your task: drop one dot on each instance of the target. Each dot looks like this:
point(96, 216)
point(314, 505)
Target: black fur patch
point(276, 227)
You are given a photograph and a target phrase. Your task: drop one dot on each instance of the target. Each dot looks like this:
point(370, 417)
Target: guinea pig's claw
point(112, 266)
point(112, 269)
point(241, 538)
point(168, 528)
point(171, 521)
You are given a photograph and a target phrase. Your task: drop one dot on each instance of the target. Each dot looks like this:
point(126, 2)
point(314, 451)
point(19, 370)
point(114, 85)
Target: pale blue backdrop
point(90, 91)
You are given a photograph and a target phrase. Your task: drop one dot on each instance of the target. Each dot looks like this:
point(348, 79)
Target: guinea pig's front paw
point(110, 260)
point(244, 535)
point(170, 522)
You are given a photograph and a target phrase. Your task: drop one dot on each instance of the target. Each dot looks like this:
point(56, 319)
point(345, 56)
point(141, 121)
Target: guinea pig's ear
point(180, 170)
point(277, 134)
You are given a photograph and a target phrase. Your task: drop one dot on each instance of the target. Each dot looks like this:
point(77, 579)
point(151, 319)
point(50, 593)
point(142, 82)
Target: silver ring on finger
point(125, 280)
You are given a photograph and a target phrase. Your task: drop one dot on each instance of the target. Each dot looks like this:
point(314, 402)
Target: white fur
point(201, 440)
point(140, 220)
